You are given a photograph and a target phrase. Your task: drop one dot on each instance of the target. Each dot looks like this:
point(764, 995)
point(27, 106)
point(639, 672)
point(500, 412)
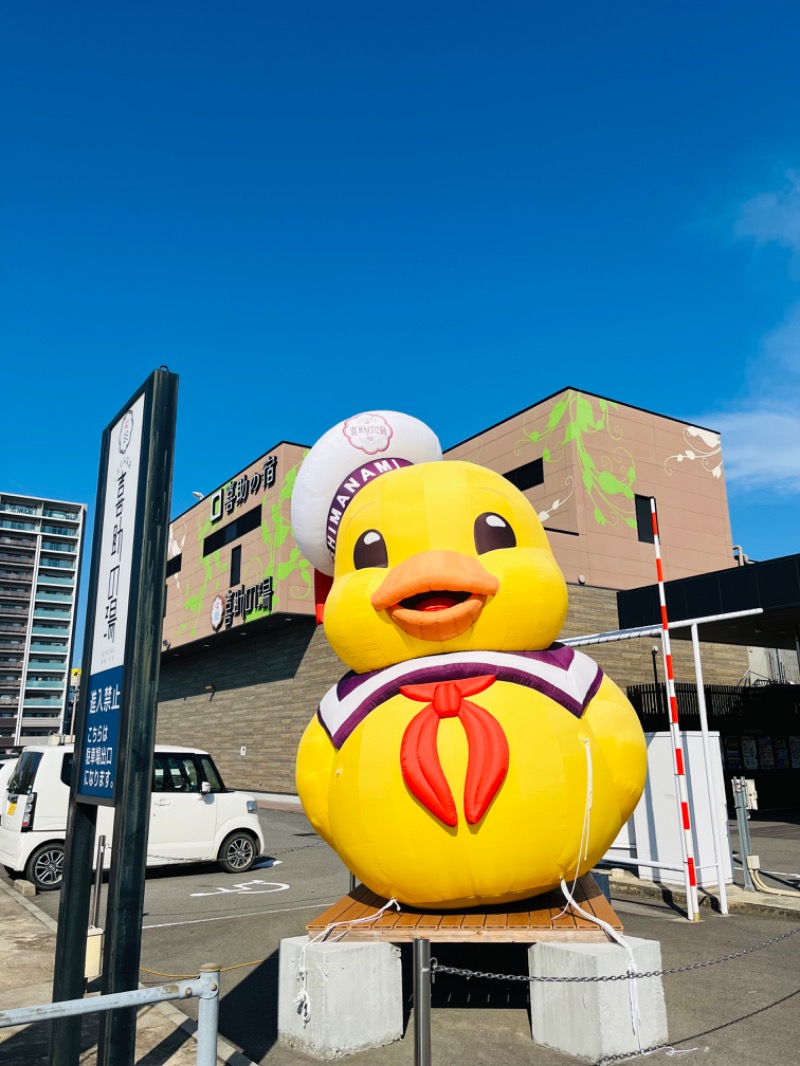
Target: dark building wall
point(268, 686)
point(630, 662)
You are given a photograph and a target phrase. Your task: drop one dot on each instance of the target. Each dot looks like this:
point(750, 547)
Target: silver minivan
point(193, 816)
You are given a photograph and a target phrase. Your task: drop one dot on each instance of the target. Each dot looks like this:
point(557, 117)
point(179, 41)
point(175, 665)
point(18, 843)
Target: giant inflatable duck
point(466, 758)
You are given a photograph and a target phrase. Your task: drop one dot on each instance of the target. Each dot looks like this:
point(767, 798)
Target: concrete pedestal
point(355, 996)
point(592, 1019)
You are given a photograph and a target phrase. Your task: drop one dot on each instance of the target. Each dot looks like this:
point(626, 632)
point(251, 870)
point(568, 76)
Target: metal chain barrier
point(436, 967)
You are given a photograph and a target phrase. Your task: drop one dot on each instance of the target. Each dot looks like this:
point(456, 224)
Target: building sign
point(241, 602)
point(106, 672)
point(225, 500)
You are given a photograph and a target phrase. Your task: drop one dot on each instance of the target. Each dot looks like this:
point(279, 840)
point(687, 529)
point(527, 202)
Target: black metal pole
point(659, 704)
point(422, 1002)
point(69, 968)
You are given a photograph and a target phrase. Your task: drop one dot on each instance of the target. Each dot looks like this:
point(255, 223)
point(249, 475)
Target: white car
point(193, 816)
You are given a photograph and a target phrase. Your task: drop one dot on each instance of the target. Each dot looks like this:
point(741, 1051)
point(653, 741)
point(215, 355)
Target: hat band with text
point(352, 484)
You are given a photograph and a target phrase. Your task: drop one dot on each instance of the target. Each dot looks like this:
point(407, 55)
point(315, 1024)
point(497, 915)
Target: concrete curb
point(624, 885)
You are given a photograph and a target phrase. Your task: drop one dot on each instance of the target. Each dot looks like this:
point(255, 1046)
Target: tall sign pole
point(115, 721)
point(692, 903)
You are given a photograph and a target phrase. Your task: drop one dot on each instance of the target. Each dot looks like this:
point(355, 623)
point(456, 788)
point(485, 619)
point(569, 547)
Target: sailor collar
point(567, 676)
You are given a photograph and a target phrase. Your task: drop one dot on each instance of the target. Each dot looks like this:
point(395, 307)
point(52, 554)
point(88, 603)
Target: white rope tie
point(302, 999)
point(583, 852)
point(583, 848)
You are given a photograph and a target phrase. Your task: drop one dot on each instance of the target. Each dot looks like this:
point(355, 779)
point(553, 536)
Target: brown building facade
point(244, 664)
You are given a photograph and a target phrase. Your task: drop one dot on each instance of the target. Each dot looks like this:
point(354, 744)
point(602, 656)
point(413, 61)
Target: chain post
point(422, 1002)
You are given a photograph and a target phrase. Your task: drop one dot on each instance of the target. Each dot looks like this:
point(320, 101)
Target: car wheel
point(238, 853)
point(45, 867)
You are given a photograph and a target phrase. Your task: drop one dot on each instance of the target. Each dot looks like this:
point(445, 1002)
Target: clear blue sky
point(449, 209)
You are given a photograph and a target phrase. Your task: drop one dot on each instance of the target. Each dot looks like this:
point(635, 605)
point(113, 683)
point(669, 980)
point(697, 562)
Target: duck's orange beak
point(435, 595)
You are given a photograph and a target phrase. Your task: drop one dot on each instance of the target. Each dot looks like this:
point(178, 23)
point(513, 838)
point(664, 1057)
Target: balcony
point(67, 516)
point(57, 546)
point(17, 560)
point(16, 542)
point(15, 593)
point(51, 612)
point(62, 598)
point(46, 579)
point(16, 577)
point(24, 527)
point(18, 508)
point(51, 649)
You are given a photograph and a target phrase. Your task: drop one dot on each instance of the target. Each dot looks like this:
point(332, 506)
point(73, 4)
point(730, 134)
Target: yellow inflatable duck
point(466, 759)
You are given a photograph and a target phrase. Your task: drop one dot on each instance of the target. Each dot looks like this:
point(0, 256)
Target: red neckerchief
point(488, 749)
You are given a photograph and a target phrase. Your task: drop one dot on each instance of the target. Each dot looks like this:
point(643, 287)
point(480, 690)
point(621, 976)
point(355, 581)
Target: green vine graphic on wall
point(216, 577)
point(608, 473)
point(274, 538)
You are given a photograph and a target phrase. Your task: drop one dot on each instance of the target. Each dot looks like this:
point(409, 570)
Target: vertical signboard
point(103, 706)
point(115, 716)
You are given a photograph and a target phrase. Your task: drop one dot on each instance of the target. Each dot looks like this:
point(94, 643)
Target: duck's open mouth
point(435, 595)
point(439, 600)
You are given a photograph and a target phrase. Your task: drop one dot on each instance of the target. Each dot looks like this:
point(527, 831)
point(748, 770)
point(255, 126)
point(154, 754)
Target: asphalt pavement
point(732, 993)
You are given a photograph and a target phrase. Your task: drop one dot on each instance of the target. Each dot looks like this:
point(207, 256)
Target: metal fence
point(205, 987)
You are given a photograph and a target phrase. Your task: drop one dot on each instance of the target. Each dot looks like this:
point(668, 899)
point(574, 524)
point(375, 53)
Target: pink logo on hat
point(370, 433)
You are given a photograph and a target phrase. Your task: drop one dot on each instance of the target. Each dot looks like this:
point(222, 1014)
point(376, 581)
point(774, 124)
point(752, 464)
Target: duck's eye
point(370, 550)
point(492, 532)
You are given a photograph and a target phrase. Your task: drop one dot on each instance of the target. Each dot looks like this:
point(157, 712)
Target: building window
point(644, 520)
point(236, 565)
point(525, 477)
point(245, 523)
point(174, 564)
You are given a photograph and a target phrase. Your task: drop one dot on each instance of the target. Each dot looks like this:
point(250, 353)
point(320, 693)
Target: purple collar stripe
point(565, 675)
point(352, 484)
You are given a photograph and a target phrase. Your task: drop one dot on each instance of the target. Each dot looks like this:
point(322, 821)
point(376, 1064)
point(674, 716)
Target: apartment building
point(40, 554)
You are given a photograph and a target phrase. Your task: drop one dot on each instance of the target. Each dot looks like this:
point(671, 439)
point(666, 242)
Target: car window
point(212, 774)
point(22, 779)
point(66, 768)
point(175, 773)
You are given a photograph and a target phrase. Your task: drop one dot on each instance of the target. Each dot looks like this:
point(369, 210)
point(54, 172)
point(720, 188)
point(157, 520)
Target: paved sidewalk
point(165, 1036)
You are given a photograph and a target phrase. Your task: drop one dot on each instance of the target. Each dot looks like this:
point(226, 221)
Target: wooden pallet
point(527, 921)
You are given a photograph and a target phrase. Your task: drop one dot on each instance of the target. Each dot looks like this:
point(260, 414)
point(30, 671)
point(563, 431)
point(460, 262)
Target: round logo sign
point(369, 432)
point(217, 612)
point(125, 431)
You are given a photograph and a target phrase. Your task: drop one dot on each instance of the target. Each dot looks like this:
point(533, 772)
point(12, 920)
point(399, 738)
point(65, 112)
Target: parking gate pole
point(422, 1002)
point(690, 870)
point(208, 1016)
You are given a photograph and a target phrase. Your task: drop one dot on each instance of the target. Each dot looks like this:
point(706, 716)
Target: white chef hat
point(347, 457)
